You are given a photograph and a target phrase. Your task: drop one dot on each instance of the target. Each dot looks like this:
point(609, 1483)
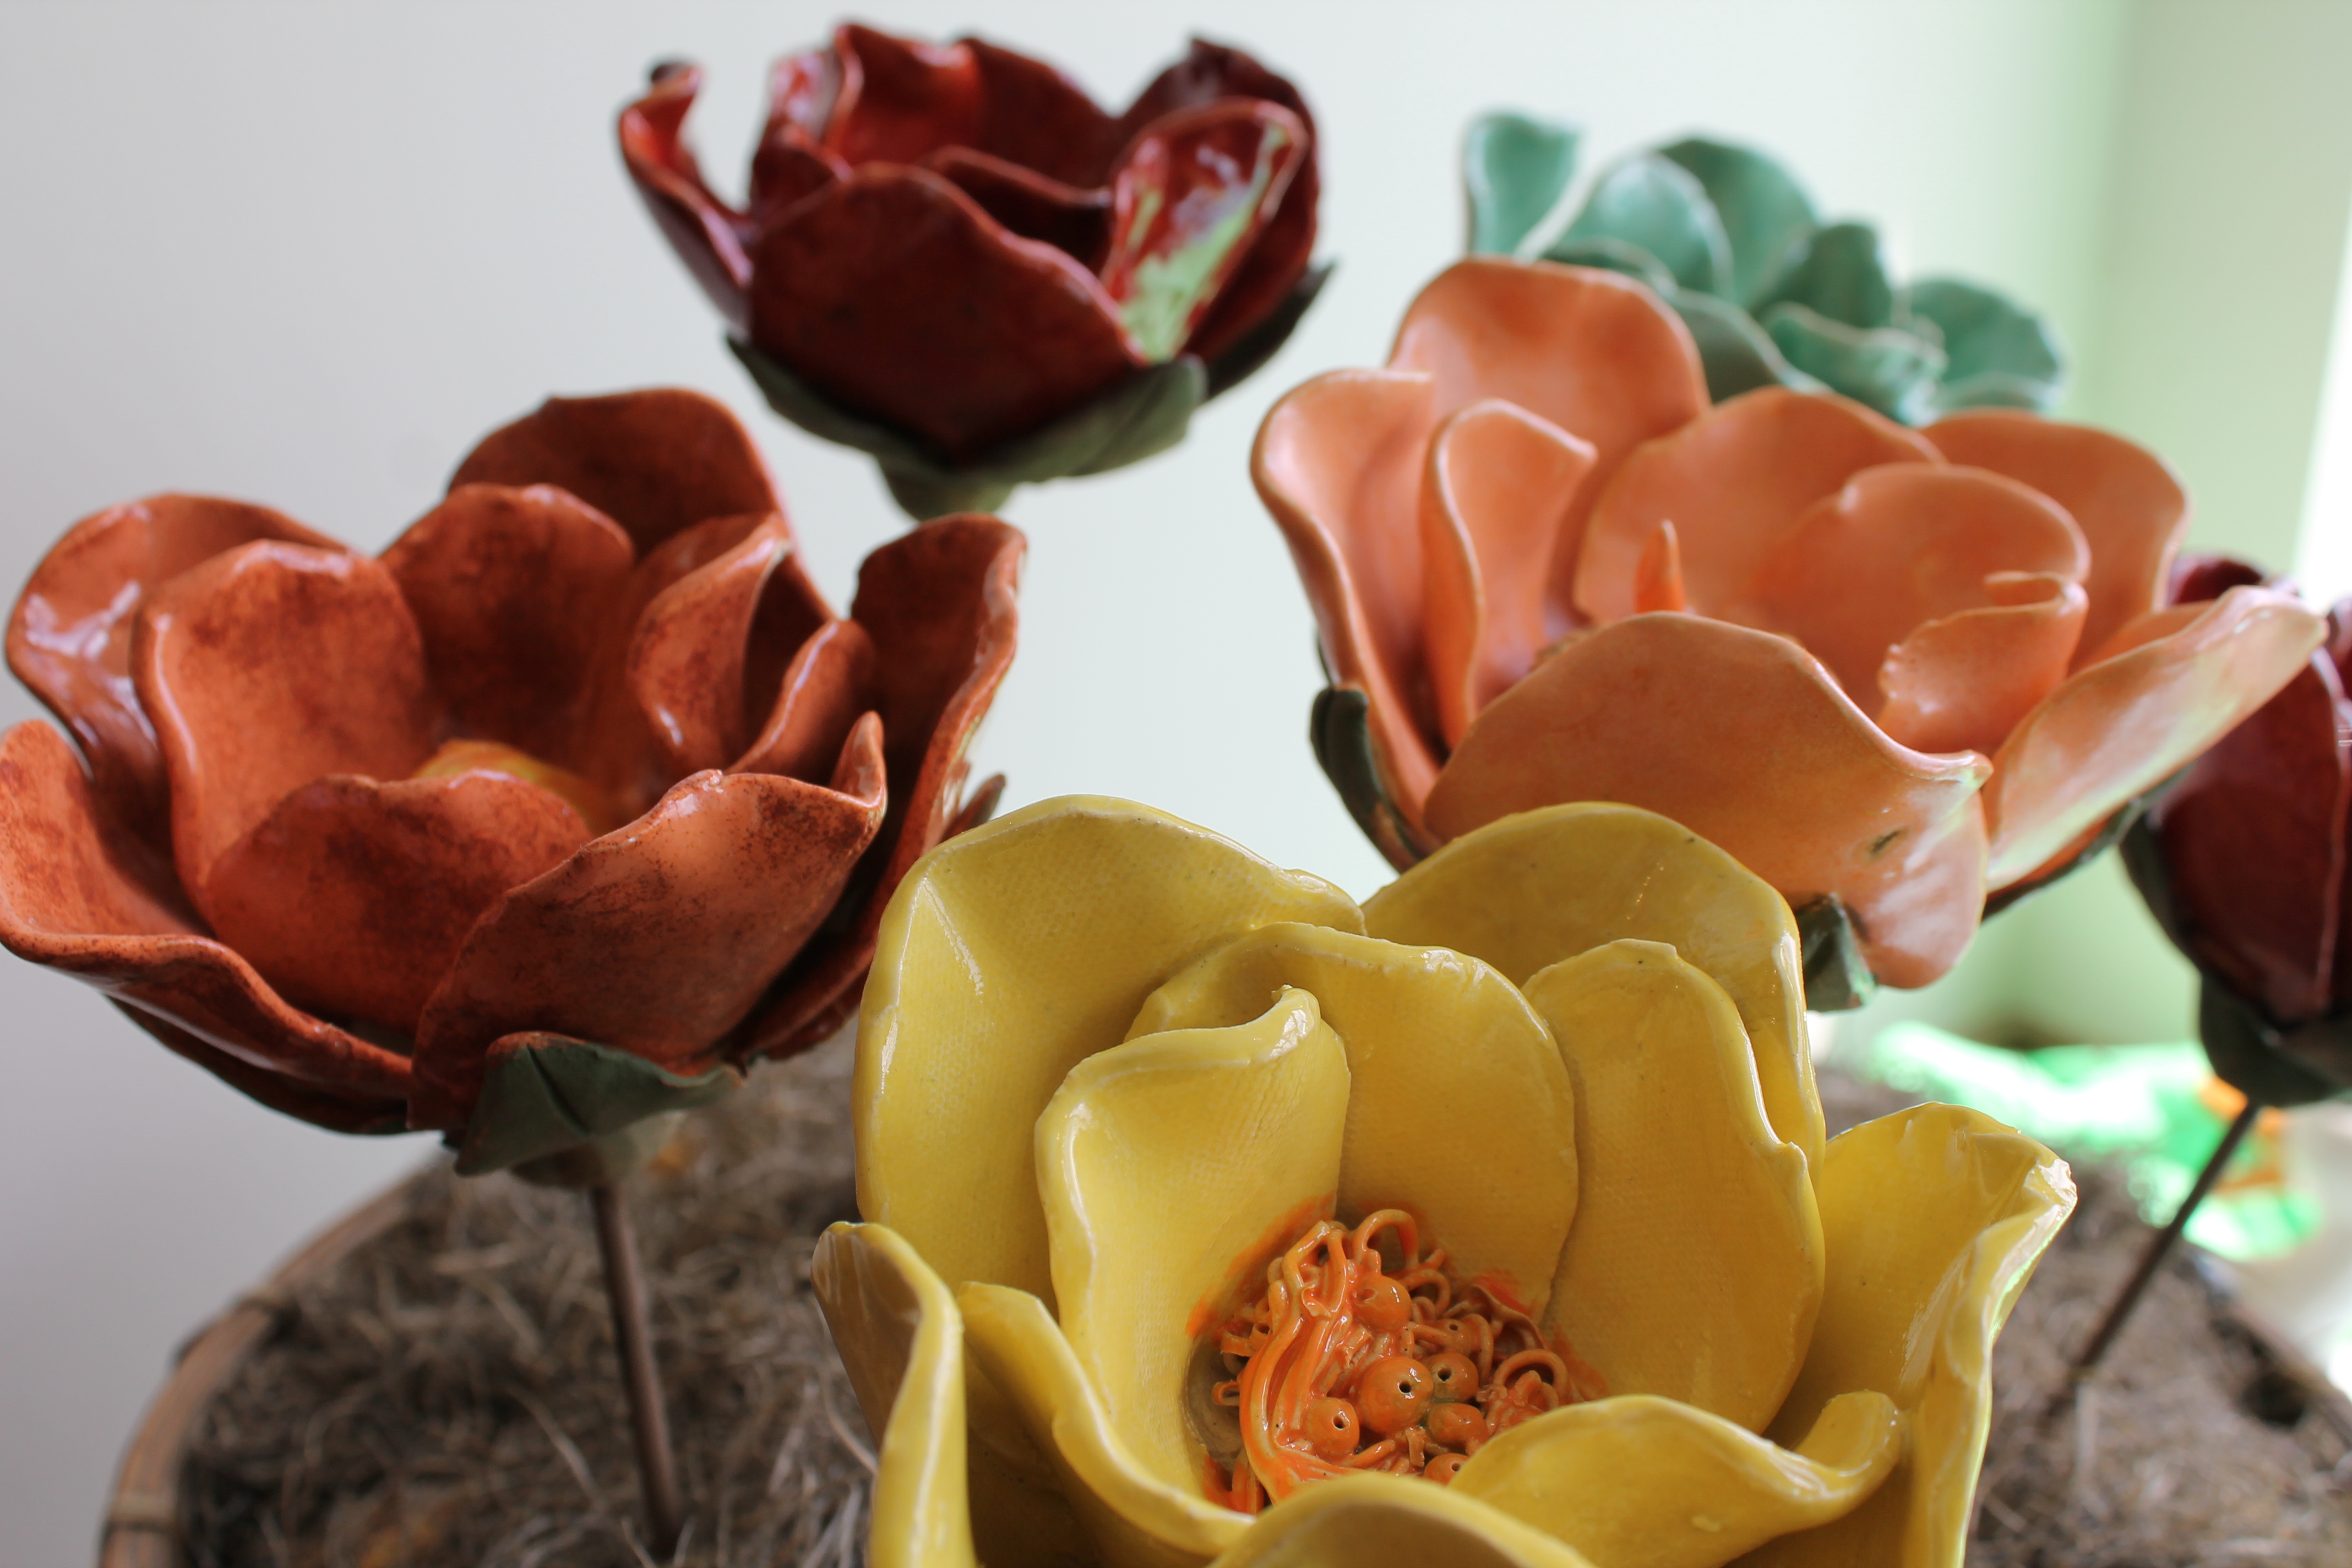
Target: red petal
point(70, 900)
point(514, 591)
point(352, 897)
point(1961, 683)
point(268, 667)
point(828, 687)
point(1734, 482)
point(685, 659)
point(655, 939)
point(704, 231)
point(69, 636)
point(2128, 504)
point(657, 462)
point(1033, 115)
point(898, 98)
point(1031, 206)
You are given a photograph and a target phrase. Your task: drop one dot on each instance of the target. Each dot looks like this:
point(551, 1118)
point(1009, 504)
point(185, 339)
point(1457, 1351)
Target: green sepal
point(1656, 204)
point(1250, 351)
point(1886, 368)
point(1766, 216)
point(1611, 255)
point(548, 1099)
point(1339, 729)
point(1841, 273)
point(1837, 978)
point(2000, 354)
point(1515, 168)
point(2265, 1063)
point(1738, 354)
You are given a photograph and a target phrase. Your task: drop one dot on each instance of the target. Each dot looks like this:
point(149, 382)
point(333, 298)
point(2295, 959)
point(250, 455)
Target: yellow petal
point(1641, 1482)
point(1693, 1269)
point(1935, 1217)
point(1355, 1520)
point(1136, 1519)
point(1006, 957)
point(1531, 889)
point(1173, 1169)
point(902, 1342)
point(1459, 1108)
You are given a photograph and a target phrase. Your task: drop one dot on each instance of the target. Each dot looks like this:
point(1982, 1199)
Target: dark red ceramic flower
point(579, 791)
point(955, 243)
point(2243, 862)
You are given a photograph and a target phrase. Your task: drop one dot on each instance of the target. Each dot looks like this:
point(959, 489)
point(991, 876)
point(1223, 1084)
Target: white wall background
point(305, 254)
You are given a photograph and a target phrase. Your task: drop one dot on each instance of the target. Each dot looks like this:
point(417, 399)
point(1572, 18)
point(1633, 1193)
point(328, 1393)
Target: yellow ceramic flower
point(1111, 1065)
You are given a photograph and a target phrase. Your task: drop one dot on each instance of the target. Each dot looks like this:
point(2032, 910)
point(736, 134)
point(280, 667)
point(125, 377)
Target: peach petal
point(1593, 353)
point(656, 461)
point(1744, 739)
point(655, 940)
point(1498, 482)
point(1338, 462)
point(1658, 576)
point(2127, 500)
point(513, 591)
point(1900, 546)
point(2118, 726)
point(267, 667)
point(686, 658)
point(1734, 481)
point(821, 696)
point(69, 636)
point(1963, 681)
point(702, 229)
point(352, 897)
point(72, 897)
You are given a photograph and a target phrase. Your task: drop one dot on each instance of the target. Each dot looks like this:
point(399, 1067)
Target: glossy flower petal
point(686, 661)
point(699, 227)
point(823, 692)
point(1963, 681)
point(1353, 1519)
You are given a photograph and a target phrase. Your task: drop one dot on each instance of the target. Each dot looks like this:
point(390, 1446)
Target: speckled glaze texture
point(583, 757)
point(1109, 1064)
point(1905, 667)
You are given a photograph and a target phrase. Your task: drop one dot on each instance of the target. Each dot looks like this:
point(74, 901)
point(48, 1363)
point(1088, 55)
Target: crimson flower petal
point(1963, 681)
point(1030, 205)
point(1033, 115)
point(898, 98)
point(704, 231)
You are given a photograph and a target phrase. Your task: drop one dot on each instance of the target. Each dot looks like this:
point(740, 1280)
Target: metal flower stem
point(625, 1291)
point(2160, 1244)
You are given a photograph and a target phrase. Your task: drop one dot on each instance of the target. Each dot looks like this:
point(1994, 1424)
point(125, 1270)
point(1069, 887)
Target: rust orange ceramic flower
point(537, 823)
point(950, 249)
point(1902, 669)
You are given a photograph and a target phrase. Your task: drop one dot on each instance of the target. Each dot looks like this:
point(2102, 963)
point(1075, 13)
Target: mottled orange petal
point(1743, 738)
point(685, 659)
point(2117, 726)
point(1594, 352)
point(1962, 682)
point(656, 461)
point(266, 668)
point(69, 636)
point(2127, 503)
point(703, 231)
point(352, 897)
point(1898, 546)
point(1734, 481)
point(824, 692)
point(1339, 463)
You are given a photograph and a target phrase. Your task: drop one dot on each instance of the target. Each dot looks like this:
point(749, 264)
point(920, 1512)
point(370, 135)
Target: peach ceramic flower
point(531, 826)
point(1110, 1065)
point(1902, 669)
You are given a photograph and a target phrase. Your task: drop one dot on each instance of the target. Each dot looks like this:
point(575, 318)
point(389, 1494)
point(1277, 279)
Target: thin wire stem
point(625, 1291)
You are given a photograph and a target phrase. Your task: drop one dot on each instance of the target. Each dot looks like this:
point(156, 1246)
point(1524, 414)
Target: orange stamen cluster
point(1344, 1366)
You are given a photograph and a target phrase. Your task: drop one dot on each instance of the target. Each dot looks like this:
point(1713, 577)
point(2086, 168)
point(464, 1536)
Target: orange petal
point(1339, 463)
point(2119, 725)
point(700, 227)
point(1733, 482)
point(1900, 546)
point(823, 693)
point(352, 897)
point(655, 939)
point(1963, 681)
point(1658, 576)
point(686, 658)
point(657, 462)
point(1498, 483)
point(1744, 739)
point(1595, 353)
point(266, 668)
point(69, 636)
point(2127, 503)
point(71, 899)
point(513, 592)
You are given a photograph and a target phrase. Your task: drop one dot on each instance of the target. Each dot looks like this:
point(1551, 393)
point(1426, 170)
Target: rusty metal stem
point(625, 1291)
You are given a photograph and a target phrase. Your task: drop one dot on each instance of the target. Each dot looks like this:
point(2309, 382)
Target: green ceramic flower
point(1772, 293)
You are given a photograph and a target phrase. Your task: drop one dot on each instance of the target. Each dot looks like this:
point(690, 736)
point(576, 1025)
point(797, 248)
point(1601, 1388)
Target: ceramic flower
point(1771, 295)
point(952, 259)
point(1195, 1189)
point(1899, 669)
point(2243, 862)
point(528, 827)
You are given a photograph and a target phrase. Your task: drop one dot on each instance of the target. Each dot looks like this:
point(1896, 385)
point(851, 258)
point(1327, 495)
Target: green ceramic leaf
point(1657, 204)
point(1766, 214)
point(1516, 168)
point(2001, 355)
point(1836, 977)
point(1339, 729)
point(549, 1100)
point(1613, 256)
point(1736, 353)
point(2265, 1063)
point(1261, 342)
point(1840, 274)
point(1893, 370)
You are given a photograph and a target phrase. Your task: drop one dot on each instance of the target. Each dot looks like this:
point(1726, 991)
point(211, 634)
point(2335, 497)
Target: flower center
point(1345, 1365)
point(595, 806)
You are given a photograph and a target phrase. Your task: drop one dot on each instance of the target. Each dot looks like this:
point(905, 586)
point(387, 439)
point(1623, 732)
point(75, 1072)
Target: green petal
point(1841, 275)
point(1661, 206)
point(1739, 355)
point(2001, 355)
point(551, 1095)
point(1765, 214)
point(1515, 168)
point(1892, 371)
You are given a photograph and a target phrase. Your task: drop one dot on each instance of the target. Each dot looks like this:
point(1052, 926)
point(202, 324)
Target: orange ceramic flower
point(579, 791)
point(1903, 668)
